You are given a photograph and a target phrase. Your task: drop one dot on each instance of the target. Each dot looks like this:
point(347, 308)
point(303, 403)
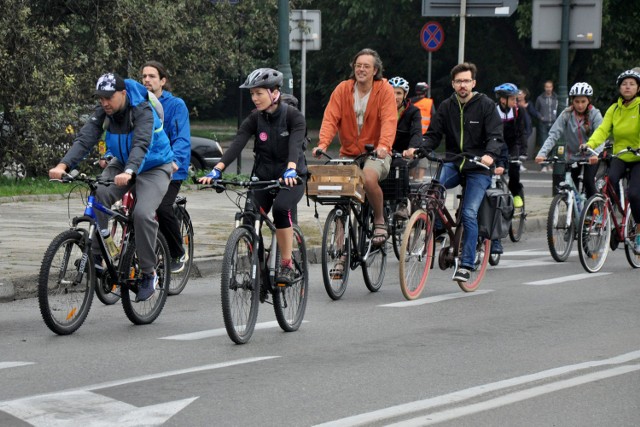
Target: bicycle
point(565, 210)
point(418, 243)
point(395, 189)
point(249, 268)
point(499, 182)
point(347, 239)
point(596, 236)
point(519, 214)
point(67, 279)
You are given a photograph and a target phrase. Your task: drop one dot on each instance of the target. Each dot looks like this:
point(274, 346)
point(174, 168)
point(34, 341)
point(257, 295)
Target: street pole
point(429, 77)
point(463, 24)
point(283, 46)
point(558, 168)
point(303, 66)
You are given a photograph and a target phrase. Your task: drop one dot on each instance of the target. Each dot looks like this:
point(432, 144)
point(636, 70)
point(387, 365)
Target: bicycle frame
point(358, 249)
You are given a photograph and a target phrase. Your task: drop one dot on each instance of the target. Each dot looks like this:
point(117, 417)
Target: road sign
point(585, 24)
point(431, 36)
point(475, 8)
point(305, 24)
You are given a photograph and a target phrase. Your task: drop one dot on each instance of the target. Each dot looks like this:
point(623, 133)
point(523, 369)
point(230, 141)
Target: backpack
point(292, 101)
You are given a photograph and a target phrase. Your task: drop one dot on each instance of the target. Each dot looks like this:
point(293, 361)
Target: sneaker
point(522, 168)
point(178, 263)
point(518, 202)
point(147, 287)
point(402, 212)
point(285, 275)
point(462, 275)
point(544, 169)
point(636, 247)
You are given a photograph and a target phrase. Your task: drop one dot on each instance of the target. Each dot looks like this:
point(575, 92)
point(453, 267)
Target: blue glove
point(290, 173)
point(214, 174)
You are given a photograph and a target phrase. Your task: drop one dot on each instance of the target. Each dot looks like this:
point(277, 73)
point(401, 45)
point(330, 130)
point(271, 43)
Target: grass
point(30, 186)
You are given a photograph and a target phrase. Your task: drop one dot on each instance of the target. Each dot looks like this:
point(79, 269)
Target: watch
point(129, 171)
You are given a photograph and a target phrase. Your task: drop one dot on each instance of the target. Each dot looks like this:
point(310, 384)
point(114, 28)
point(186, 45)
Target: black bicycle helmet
point(422, 88)
point(263, 77)
point(629, 73)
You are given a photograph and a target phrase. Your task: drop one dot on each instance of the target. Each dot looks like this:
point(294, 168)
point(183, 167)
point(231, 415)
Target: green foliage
point(30, 186)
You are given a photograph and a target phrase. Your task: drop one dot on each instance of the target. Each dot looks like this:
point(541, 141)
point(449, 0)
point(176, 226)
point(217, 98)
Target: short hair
point(377, 63)
point(162, 72)
point(461, 68)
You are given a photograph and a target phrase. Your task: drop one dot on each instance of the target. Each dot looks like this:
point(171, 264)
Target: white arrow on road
point(85, 408)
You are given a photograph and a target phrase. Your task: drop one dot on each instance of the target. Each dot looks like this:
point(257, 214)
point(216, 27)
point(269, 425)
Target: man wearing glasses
point(470, 123)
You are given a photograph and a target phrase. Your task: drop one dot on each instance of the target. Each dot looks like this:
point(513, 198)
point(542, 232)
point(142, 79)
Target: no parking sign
point(431, 36)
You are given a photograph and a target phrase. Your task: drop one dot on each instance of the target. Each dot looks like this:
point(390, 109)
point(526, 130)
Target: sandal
point(337, 272)
point(379, 238)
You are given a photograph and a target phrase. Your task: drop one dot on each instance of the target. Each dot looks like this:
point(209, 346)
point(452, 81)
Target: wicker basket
point(333, 183)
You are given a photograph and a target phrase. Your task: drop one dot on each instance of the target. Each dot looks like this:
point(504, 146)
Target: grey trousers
point(151, 186)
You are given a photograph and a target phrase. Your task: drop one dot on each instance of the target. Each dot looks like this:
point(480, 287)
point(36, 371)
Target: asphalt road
point(539, 344)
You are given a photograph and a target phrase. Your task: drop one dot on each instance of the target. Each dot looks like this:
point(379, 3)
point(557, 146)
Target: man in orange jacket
point(362, 110)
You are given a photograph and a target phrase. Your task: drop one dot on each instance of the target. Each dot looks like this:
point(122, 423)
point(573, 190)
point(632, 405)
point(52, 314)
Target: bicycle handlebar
point(432, 156)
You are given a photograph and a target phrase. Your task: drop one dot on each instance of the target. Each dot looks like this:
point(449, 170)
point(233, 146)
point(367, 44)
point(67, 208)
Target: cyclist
point(574, 126)
point(513, 135)
point(409, 130)
point(362, 111)
point(480, 134)
point(279, 134)
point(427, 111)
point(176, 126)
point(141, 149)
point(621, 121)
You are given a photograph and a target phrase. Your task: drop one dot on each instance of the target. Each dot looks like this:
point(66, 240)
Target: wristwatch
point(129, 171)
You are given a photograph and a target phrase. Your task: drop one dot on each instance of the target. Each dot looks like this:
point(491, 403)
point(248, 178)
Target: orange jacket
point(380, 119)
point(426, 108)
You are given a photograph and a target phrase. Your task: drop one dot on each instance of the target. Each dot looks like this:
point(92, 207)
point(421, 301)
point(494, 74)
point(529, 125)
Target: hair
point(525, 92)
point(162, 72)
point(548, 81)
point(461, 68)
point(377, 63)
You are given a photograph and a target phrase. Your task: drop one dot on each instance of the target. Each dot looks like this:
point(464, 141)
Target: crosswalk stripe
point(571, 278)
point(437, 298)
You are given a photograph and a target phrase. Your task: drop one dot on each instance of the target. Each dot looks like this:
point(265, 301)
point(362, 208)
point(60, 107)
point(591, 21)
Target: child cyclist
point(279, 133)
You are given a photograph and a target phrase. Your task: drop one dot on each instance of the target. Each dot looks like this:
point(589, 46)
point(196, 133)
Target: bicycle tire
point(144, 313)
point(559, 236)
point(483, 253)
point(517, 222)
point(629, 240)
point(494, 259)
point(335, 253)
point(290, 302)
point(64, 306)
point(594, 235)
point(375, 266)
point(239, 287)
point(107, 289)
point(416, 255)
point(179, 280)
point(398, 226)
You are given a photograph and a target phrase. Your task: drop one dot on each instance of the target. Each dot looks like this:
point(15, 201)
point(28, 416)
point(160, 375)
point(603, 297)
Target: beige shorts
point(381, 166)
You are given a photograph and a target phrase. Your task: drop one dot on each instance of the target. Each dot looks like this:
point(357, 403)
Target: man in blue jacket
point(176, 126)
point(141, 149)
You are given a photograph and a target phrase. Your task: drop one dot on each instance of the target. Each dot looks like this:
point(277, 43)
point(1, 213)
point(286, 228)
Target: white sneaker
point(544, 169)
point(522, 168)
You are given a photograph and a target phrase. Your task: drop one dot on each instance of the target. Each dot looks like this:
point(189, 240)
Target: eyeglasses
point(363, 66)
point(462, 82)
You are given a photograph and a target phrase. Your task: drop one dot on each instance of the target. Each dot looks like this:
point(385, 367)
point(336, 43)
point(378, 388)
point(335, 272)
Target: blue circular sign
point(431, 36)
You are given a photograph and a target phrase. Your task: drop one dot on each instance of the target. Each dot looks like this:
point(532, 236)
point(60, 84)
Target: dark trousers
point(168, 223)
point(616, 172)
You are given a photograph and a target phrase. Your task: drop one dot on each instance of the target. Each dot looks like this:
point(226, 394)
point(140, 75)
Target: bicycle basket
point(396, 185)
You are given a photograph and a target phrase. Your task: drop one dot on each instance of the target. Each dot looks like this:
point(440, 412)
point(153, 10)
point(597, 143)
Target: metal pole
point(429, 77)
point(463, 23)
point(558, 169)
point(303, 65)
point(283, 46)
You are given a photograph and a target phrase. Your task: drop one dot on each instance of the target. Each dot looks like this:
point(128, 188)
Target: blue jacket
point(176, 126)
point(134, 135)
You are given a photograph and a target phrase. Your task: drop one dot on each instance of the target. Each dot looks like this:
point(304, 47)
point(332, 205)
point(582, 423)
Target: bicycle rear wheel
point(179, 280)
point(416, 255)
point(336, 253)
point(483, 252)
point(630, 239)
point(517, 222)
point(594, 234)
point(375, 264)
point(64, 298)
point(559, 233)
point(143, 313)
point(290, 302)
point(239, 287)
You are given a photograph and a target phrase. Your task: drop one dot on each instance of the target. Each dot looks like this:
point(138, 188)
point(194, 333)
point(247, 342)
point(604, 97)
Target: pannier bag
point(495, 214)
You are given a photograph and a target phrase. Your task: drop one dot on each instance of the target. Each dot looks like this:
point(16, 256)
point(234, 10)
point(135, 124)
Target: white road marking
point(512, 263)
point(563, 279)
point(475, 392)
point(192, 336)
point(528, 252)
point(438, 298)
point(6, 365)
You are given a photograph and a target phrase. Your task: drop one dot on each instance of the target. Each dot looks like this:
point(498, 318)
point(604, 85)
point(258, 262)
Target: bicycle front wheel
point(483, 252)
point(416, 255)
point(517, 222)
point(594, 234)
point(375, 257)
point(239, 286)
point(630, 239)
point(559, 233)
point(336, 253)
point(290, 302)
point(145, 312)
point(64, 297)
point(179, 280)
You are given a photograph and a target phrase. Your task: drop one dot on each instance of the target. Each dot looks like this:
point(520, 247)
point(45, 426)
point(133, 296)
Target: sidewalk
point(29, 223)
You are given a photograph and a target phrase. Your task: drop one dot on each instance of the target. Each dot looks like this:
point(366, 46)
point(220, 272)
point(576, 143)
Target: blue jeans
point(475, 187)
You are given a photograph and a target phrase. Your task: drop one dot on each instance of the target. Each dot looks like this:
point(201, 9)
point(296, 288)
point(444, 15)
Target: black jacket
point(409, 130)
point(481, 131)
